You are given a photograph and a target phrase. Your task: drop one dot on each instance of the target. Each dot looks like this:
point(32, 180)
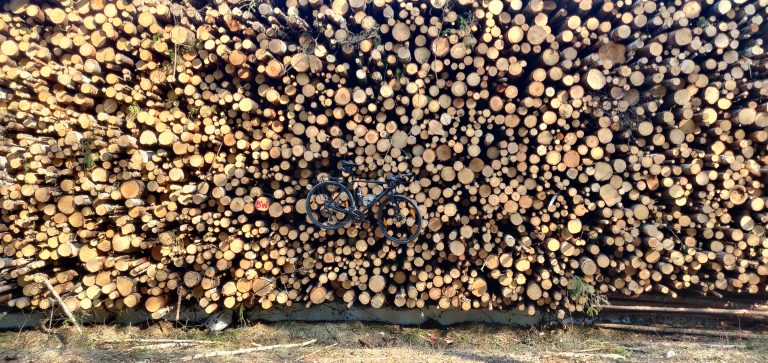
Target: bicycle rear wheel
point(328, 205)
point(399, 219)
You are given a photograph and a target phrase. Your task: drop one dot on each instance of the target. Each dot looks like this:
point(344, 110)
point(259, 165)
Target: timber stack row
point(152, 152)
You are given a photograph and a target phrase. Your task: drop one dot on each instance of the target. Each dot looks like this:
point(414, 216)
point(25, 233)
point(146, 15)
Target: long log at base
point(685, 331)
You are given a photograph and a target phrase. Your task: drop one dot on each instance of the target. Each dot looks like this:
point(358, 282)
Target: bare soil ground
point(366, 342)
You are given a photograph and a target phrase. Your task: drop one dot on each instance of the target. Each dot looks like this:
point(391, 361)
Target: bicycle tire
point(346, 215)
point(414, 209)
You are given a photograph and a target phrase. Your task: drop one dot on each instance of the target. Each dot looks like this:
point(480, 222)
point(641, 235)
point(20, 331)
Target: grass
point(757, 345)
point(357, 341)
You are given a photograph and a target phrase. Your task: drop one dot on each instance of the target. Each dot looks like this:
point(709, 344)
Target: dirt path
point(362, 342)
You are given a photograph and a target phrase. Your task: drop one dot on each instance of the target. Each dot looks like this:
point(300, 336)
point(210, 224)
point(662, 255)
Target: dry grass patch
point(357, 341)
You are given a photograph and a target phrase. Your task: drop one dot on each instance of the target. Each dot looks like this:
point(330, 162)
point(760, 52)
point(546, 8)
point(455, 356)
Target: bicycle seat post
point(348, 166)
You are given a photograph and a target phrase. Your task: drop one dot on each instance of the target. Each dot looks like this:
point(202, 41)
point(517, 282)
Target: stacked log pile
point(154, 151)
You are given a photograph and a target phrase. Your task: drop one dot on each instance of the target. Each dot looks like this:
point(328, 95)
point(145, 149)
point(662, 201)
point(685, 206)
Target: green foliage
point(463, 23)
point(80, 315)
point(584, 295)
point(465, 20)
point(133, 110)
point(193, 112)
point(171, 104)
point(88, 159)
point(249, 5)
point(241, 320)
point(189, 48)
point(175, 58)
point(172, 54)
point(398, 73)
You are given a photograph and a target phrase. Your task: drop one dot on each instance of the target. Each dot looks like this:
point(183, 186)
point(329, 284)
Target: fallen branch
point(664, 330)
point(157, 346)
point(229, 353)
point(156, 341)
point(678, 344)
point(592, 355)
point(178, 304)
point(645, 348)
point(61, 303)
point(707, 345)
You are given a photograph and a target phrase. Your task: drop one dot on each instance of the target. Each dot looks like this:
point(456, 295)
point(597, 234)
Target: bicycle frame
point(351, 186)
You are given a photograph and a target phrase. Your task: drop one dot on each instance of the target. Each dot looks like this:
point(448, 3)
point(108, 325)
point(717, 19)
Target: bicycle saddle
point(348, 166)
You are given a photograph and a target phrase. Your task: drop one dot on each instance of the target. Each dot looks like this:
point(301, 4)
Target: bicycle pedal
point(357, 215)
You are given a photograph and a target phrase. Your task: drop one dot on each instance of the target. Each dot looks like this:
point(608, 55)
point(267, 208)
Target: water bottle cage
point(368, 199)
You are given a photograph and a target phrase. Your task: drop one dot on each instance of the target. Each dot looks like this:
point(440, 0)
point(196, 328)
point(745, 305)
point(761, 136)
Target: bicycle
point(332, 205)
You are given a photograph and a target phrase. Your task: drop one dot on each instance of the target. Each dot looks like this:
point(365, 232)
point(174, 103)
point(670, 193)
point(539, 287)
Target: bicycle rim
point(327, 205)
point(399, 219)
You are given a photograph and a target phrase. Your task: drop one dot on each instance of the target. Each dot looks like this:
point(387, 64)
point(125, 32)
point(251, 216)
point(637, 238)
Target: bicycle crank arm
point(357, 215)
point(338, 209)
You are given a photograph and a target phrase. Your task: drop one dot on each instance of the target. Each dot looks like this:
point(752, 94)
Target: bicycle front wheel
point(328, 205)
point(399, 219)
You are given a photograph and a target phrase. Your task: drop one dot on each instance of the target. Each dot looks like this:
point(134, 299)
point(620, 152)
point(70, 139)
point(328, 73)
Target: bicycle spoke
point(398, 220)
point(328, 205)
